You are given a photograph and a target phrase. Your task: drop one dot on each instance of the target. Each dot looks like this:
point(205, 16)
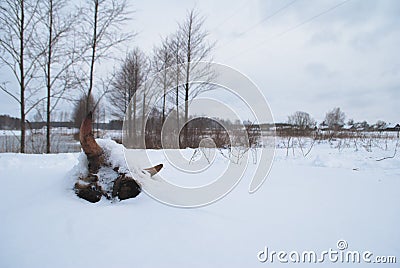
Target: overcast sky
point(305, 55)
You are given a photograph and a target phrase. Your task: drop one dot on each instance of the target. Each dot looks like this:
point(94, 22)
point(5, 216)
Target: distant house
point(348, 127)
point(393, 127)
point(323, 127)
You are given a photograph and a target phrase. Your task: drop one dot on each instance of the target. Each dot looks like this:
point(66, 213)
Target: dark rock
point(125, 187)
point(90, 192)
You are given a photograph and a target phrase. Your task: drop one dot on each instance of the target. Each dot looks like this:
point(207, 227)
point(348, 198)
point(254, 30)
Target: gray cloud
point(347, 57)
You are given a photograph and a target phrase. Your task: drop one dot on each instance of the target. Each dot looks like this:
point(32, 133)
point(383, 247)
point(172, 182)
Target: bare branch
point(3, 88)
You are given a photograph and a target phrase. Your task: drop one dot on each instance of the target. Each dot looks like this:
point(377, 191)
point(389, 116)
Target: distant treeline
point(12, 123)
point(8, 122)
point(154, 124)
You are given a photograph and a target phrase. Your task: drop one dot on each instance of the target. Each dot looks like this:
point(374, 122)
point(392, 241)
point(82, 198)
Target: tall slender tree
point(175, 48)
point(59, 55)
point(127, 80)
point(195, 48)
point(162, 62)
point(101, 31)
point(18, 25)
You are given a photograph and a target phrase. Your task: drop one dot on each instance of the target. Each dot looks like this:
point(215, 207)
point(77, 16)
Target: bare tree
point(127, 80)
point(147, 95)
point(58, 55)
point(162, 62)
point(195, 48)
point(100, 32)
point(18, 21)
point(176, 51)
point(335, 118)
point(301, 120)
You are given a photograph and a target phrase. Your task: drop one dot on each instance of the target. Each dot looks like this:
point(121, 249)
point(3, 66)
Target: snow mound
point(114, 158)
point(114, 153)
point(114, 165)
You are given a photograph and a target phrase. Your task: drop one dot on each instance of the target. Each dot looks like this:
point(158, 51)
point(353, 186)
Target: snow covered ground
point(306, 204)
